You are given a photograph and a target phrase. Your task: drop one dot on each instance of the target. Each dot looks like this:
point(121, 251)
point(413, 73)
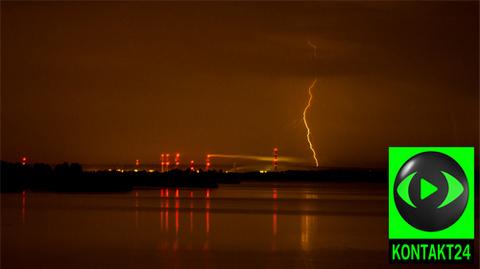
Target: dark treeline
point(69, 177)
point(66, 177)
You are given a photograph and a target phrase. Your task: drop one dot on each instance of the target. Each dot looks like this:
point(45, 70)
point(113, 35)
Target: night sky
point(108, 83)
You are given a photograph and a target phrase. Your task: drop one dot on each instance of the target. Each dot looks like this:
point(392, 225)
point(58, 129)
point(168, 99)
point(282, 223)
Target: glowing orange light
point(176, 193)
point(137, 162)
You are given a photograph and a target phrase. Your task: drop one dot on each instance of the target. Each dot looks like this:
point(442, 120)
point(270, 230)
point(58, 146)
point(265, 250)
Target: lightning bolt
point(314, 154)
point(306, 123)
point(314, 47)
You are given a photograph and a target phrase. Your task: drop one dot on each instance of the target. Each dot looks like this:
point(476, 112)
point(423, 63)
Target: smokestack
point(162, 162)
point(177, 160)
point(192, 168)
point(275, 159)
point(207, 162)
point(167, 162)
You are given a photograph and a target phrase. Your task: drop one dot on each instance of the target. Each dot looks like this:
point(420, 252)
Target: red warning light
point(177, 160)
point(162, 162)
point(167, 161)
point(207, 162)
point(275, 159)
point(192, 167)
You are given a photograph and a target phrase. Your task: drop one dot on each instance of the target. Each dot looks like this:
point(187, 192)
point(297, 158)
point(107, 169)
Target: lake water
point(234, 226)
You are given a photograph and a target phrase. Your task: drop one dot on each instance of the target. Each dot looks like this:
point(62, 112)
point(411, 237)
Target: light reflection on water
point(249, 218)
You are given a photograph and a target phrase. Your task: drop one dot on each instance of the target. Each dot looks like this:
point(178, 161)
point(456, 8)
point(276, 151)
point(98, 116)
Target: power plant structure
point(166, 163)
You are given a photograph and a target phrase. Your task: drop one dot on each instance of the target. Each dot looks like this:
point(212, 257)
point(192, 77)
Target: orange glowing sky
point(111, 82)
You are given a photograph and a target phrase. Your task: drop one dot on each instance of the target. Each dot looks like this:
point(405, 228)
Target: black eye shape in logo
point(431, 191)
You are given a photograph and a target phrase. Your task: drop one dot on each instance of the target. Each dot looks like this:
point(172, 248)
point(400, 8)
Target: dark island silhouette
point(70, 177)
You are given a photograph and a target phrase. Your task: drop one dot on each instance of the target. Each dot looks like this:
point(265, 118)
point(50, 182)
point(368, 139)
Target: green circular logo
point(431, 191)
